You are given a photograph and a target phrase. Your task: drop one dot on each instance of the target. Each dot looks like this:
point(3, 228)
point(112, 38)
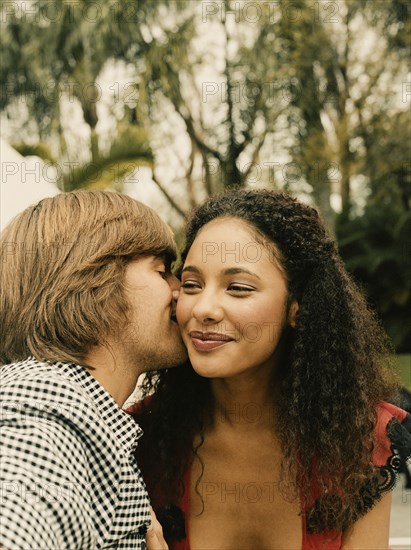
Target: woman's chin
point(205, 373)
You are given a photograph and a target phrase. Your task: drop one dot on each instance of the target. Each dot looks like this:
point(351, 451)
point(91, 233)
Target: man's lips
point(207, 341)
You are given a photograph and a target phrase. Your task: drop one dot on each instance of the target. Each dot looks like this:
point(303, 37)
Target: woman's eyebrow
point(228, 271)
point(191, 269)
point(236, 270)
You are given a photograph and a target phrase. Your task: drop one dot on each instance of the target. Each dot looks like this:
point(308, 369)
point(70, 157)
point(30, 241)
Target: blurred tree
point(53, 54)
point(225, 115)
point(376, 249)
point(348, 79)
point(225, 93)
point(334, 71)
point(375, 244)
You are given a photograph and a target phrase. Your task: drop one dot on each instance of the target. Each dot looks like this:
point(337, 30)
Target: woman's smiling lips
point(207, 341)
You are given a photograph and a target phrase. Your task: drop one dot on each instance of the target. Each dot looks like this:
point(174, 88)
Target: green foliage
point(376, 249)
point(128, 151)
point(41, 150)
point(402, 364)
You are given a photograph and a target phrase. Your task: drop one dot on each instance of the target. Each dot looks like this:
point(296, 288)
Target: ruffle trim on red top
point(392, 452)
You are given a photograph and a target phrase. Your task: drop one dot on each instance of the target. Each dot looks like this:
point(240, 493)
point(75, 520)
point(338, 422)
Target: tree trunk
point(321, 193)
point(231, 175)
point(95, 152)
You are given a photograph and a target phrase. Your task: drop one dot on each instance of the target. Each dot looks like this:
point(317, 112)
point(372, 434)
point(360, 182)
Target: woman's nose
point(207, 308)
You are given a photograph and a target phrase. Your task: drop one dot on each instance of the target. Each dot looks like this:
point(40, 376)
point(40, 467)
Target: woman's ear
point(292, 313)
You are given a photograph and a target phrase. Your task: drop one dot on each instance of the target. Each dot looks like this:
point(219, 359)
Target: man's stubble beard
point(153, 357)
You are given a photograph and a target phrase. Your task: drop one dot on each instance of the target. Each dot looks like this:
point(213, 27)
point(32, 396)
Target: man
point(87, 305)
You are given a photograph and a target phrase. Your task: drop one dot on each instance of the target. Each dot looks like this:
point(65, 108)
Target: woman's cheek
point(181, 309)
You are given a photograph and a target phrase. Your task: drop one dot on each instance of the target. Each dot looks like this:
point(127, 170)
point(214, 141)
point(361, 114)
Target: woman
point(278, 434)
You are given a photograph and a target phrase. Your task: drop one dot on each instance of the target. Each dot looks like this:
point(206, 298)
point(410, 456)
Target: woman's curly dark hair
point(336, 369)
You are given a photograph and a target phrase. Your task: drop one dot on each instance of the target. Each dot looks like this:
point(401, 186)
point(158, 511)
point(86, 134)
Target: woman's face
point(232, 307)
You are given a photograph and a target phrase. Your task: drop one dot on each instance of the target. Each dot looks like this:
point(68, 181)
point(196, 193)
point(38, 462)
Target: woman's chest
point(238, 502)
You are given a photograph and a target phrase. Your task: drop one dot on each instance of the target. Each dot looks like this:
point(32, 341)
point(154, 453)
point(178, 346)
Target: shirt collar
point(122, 424)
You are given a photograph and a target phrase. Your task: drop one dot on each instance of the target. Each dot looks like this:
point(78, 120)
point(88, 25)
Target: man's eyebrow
point(228, 271)
point(167, 258)
point(169, 255)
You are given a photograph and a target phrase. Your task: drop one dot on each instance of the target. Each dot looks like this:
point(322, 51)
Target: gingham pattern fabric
point(68, 475)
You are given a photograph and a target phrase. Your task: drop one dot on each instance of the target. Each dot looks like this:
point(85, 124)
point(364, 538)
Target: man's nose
point(175, 286)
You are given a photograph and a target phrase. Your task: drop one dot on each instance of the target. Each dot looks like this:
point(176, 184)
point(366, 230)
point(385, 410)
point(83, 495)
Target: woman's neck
point(246, 401)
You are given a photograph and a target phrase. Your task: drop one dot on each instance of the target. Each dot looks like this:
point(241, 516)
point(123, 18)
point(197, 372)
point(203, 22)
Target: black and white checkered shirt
point(68, 476)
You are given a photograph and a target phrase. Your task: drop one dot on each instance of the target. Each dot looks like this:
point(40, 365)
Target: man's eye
point(164, 274)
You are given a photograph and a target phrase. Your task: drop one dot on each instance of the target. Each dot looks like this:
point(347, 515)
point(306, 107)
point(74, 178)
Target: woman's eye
point(240, 288)
point(190, 285)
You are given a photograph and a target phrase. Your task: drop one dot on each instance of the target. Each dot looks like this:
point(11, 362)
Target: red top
point(388, 444)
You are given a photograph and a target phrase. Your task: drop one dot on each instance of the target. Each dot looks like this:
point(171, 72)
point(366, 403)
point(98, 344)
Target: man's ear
point(292, 314)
